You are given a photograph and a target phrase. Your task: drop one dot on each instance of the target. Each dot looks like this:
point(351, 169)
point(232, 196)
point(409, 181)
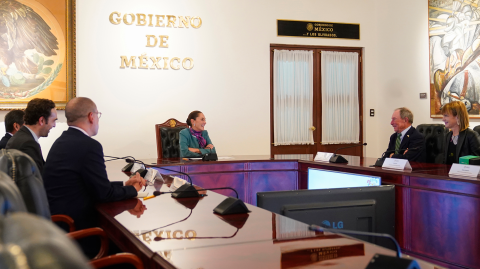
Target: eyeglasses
point(99, 114)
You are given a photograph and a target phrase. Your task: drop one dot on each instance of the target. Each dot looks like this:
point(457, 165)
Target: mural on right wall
point(454, 38)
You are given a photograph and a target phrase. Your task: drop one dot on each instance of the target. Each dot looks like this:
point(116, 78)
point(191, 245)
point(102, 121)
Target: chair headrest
point(40, 242)
point(24, 173)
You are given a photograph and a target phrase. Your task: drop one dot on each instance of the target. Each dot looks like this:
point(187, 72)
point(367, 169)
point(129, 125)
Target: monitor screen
point(324, 179)
point(369, 209)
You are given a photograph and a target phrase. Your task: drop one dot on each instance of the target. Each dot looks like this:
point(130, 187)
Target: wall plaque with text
point(318, 29)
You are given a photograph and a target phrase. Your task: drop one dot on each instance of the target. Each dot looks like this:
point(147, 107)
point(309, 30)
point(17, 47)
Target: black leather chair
point(168, 139)
point(434, 141)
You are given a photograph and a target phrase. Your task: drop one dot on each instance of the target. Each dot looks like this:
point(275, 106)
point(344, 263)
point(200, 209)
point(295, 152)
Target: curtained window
point(340, 104)
point(293, 97)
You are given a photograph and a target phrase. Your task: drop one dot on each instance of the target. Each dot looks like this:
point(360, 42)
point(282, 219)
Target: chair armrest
point(118, 259)
point(66, 219)
point(93, 232)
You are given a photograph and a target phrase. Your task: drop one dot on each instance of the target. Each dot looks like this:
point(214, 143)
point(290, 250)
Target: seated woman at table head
point(194, 141)
point(460, 141)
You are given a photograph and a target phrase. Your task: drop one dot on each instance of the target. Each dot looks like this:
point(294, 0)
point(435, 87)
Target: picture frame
point(42, 62)
point(454, 55)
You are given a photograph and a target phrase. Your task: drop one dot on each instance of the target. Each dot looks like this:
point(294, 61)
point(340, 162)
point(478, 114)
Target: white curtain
point(292, 97)
point(340, 109)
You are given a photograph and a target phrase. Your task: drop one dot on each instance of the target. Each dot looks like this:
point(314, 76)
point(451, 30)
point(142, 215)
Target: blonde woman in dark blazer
point(460, 141)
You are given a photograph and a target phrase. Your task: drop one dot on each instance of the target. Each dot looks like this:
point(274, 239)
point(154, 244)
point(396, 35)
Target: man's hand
point(194, 150)
point(405, 152)
point(209, 146)
point(138, 209)
point(391, 155)
point(136, 181)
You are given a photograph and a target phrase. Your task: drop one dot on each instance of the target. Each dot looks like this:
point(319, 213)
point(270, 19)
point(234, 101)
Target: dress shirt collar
point(33, 133)
point(80, 129)
point(404, 132)
point(10, 133)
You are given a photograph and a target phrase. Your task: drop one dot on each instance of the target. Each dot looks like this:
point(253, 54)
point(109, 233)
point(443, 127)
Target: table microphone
point(339, 158)
point(228, 206)
point(183, 191)
point(378, 261)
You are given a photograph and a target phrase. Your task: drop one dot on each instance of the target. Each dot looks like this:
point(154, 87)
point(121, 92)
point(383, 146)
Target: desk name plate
point(397, 164)
point(464, 170)
point(323, 156)
point(318, 29)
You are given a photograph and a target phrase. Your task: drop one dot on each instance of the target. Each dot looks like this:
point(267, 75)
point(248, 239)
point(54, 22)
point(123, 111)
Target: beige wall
point(230, 80)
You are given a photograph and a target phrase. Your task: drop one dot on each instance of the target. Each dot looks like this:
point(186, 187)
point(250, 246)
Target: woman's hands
point(194, 150)
point(209, 146)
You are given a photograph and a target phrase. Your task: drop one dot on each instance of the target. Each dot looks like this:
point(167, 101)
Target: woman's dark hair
point(36, 109)
point(192, 116)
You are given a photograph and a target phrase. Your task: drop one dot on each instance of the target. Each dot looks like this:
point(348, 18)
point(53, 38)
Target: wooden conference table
point(436, 218)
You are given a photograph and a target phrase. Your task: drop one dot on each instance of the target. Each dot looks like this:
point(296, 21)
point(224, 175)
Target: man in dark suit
point(406, 142)
point(75, 176)
point(13, 123)
point(40, 117)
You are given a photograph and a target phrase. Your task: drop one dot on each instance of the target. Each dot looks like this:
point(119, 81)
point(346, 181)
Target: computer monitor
point(368, 209)
point(326, 179)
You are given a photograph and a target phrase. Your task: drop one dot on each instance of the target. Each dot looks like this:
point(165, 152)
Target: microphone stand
point(228, 206)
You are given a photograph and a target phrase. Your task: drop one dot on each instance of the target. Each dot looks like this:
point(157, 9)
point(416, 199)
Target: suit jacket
point(413, 139)
point(187, 140)
point(3, 142)
point(75, 178)
point(23, 140)
point(468, 144)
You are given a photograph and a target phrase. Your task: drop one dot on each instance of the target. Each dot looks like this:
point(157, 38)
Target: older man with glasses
point(74, 175)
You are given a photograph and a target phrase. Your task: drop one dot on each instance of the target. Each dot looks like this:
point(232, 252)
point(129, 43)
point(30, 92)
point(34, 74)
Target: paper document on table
point(194, 158)
point(226, 158)
point(142, 194)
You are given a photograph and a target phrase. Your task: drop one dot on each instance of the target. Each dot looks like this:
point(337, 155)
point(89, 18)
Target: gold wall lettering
point(155, 62)
point(148, 19)
point(145, 62)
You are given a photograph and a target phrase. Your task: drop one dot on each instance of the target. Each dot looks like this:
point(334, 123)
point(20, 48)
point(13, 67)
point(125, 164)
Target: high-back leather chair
point(24, 172)
point(168, 139)
point(434, 141)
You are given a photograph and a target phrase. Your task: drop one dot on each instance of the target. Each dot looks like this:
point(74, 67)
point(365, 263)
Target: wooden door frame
point(317, 84)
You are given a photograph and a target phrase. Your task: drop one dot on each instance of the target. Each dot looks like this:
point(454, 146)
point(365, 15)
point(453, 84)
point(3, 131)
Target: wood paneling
point(445, 226)
point(271, 181)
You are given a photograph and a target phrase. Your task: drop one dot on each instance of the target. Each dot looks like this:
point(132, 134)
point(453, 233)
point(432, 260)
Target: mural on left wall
point(31, 56)
point(454, 37)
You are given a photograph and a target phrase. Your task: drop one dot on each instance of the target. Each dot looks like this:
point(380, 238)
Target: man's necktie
point(397, 143)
